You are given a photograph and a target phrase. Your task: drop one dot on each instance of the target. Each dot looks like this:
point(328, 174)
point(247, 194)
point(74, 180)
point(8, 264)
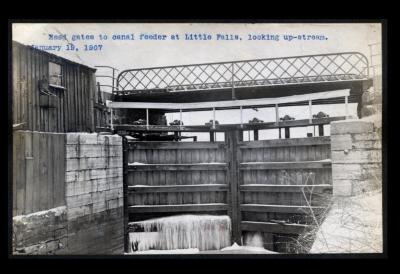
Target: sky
point(129, 54)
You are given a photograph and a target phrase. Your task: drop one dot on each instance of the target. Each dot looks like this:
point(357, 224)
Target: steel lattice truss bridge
point(316, 79)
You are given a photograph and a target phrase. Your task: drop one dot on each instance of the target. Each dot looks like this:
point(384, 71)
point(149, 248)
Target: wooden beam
point(273, 227)
point(225, 127)
point(178, 188)
point(285, 165)
point(317, 141)
point(279, 208)
point(231, 103)
point(178, 208)
point(318, 189)
point(172, 167)
point(179, 145)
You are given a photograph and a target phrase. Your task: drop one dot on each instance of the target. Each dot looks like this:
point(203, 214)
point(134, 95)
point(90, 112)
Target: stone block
point(351, 126)
point(364, 186)
point(341, 142)
point(369, 110)
point(369, 98)
point(375, 144)
point(88, 174)
point(93, 163)
point(371, 136)
point(93, 139)
point(79, 200)
point(342, 187)
point(93, 151)
point(356, 156)
point(356, 171)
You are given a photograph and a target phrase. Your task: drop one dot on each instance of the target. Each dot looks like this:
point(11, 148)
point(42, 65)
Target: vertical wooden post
point(346, 104)
point(321, 130)
point(147, 118)
point(287, 132)
point(125, 151)
point(111, 120)
point(255, 132)
point(276, 114)
point(212, 136)
point(280, 133)
point(180, 118)
point(241, 116)
point(310, 109)
point(240, 135)
point(234, 193)
point(213, 124)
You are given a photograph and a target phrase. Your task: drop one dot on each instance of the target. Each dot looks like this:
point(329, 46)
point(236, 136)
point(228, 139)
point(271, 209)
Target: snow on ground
point(233, 249)
point(208, 163)
point(166, 252)
point(353, 225)
point(237, 249)
point(57, 211)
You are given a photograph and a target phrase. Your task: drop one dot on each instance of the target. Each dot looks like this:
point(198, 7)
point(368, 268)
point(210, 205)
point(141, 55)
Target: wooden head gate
point(267, 186)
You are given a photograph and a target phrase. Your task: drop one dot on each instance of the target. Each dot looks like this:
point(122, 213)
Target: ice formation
point(205, 232)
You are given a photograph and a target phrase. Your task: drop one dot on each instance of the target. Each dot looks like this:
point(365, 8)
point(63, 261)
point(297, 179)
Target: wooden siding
point(73, 111)
point(38, 171)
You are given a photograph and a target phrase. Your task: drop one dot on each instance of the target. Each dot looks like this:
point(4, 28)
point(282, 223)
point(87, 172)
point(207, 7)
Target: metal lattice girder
point(261, 72)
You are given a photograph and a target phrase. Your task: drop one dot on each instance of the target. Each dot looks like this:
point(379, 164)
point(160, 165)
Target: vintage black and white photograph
point(196, 138)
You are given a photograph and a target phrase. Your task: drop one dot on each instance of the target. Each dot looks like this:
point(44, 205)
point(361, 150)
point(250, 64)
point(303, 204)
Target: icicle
point(205, 232)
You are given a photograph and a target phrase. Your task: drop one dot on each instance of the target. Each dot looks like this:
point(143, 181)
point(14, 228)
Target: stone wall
point(94, 194)
point(40, 233)
point(356, 157)
point(353, 223)
point(91, 221)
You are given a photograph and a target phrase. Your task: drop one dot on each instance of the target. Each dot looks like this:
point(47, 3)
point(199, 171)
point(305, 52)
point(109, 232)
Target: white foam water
point(205, 232)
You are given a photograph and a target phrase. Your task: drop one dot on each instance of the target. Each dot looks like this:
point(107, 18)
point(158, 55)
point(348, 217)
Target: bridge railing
point(344, 66)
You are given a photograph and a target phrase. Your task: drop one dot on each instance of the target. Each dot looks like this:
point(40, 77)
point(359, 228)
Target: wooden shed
point(51, 93)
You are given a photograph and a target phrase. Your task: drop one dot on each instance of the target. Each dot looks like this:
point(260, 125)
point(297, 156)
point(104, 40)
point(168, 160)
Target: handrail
point(330, 67)
point(112, 77)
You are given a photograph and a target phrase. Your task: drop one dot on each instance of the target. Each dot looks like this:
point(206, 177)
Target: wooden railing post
point(321, 130)
point(233, 175)
point(256, 135)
